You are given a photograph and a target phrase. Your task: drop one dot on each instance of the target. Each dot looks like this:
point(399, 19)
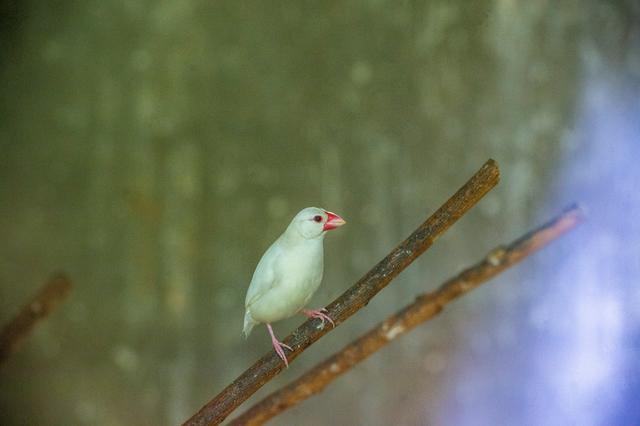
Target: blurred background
point(153, 151)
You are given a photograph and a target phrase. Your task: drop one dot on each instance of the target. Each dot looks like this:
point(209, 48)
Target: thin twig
point(424, 308)
point(40, 306)
point(216, 410)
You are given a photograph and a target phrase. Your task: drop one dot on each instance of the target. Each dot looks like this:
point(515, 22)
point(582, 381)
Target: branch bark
point(356, 297)
point(39, 307)
point(424, 308)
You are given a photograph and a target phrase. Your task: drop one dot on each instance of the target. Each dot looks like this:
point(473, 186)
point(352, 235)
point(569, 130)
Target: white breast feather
point(285, 279)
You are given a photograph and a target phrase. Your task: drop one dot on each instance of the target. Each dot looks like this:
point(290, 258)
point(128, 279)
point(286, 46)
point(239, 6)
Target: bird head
point(313, 222)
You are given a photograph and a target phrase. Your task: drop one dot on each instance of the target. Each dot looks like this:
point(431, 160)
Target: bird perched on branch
point(288, 274)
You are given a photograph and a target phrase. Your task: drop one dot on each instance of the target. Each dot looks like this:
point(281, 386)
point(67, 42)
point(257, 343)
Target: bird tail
point(248, 324)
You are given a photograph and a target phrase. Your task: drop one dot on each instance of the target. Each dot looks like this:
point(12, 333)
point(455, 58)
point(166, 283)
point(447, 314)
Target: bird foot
point(319, 313)
point(278, 346)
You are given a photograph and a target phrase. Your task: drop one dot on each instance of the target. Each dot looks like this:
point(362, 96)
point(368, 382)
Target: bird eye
point(317, 218)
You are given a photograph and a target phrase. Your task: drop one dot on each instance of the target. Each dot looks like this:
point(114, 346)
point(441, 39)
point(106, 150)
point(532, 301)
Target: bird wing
point(265, 276)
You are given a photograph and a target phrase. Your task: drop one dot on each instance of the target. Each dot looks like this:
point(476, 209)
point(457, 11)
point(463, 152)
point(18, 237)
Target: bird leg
point(318, 313)
point(278, 345)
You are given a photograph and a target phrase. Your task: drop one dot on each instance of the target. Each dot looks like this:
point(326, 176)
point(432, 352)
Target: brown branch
point(424, 308)
point(40, 306)
point(356, 297)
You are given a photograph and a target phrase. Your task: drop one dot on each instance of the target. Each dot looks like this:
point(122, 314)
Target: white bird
point(288, 274)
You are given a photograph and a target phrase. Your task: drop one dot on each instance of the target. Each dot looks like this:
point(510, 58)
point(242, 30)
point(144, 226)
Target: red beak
point(333, 221)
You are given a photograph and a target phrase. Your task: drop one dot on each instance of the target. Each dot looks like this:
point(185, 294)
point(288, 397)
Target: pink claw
point(318, 313)
point(278, 346)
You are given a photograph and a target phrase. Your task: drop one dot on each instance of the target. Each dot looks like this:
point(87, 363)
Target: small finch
point(288, 274)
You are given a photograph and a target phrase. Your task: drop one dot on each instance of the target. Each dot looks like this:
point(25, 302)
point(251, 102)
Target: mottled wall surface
point(153, 150)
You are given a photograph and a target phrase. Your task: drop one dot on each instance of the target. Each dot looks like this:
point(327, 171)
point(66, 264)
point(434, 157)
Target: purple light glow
point(573, 357)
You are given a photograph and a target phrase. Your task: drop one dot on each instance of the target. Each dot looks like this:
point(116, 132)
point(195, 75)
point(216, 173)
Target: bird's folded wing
point(264, 277)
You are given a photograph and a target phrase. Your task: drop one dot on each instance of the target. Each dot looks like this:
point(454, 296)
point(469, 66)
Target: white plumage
point(289, 272)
